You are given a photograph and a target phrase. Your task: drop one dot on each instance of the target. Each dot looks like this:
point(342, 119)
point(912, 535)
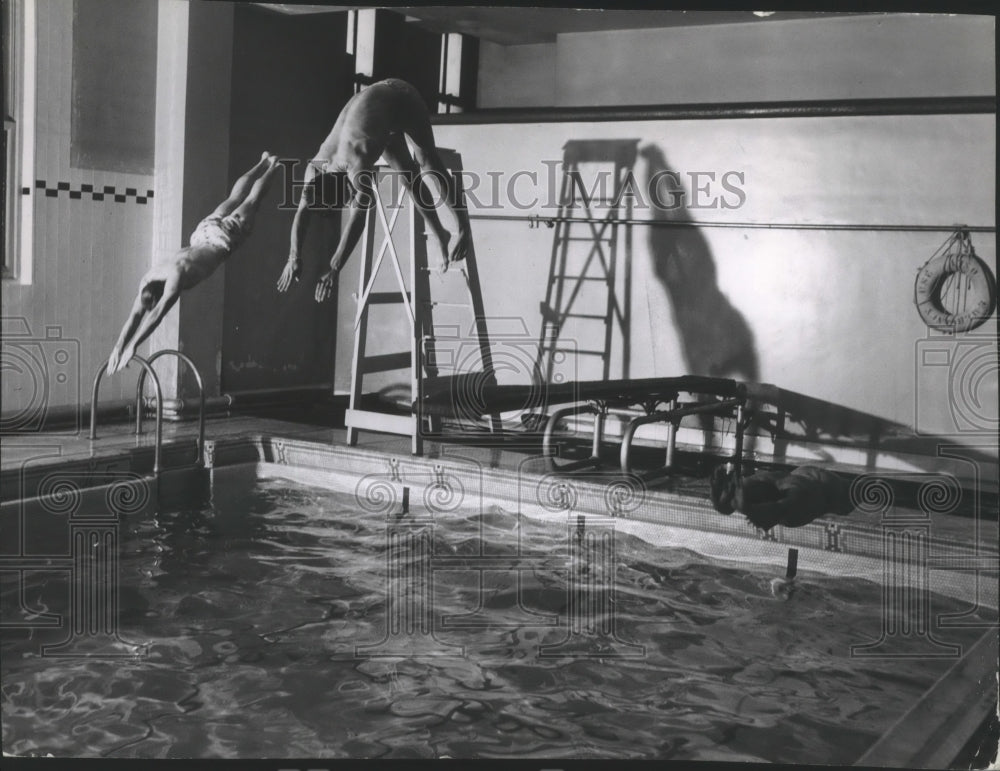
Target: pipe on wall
point(820, 108)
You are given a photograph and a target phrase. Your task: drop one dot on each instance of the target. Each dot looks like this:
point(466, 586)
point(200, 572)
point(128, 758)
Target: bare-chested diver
point(376, 122)
point(216, 238)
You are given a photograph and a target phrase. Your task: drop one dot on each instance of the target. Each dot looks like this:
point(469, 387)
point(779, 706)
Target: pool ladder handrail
point(146, 369)
point(200, 461)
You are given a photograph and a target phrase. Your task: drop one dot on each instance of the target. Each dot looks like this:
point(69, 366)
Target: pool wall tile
point(591, 495)
point(530, 483)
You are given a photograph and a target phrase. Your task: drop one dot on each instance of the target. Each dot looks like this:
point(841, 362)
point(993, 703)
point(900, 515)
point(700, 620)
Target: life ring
point(979, 297)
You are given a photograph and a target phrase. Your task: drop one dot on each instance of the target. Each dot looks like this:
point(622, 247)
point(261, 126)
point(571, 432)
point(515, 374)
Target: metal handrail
point(159, 407)
point(672, 416)
point(201, 398)
point(599, 412)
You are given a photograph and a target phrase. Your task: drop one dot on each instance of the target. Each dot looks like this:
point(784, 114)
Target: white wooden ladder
point(414, 294)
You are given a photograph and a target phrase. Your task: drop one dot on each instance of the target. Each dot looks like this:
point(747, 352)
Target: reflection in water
point(252, 608)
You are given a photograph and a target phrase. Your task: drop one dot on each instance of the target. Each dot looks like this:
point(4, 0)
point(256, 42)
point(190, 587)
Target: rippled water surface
point(264, 620)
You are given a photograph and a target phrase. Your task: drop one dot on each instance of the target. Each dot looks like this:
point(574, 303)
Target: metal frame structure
point(419, 306)
point(672, 415)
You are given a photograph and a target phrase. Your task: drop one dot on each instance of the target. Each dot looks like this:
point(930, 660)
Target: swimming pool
point(290, 614)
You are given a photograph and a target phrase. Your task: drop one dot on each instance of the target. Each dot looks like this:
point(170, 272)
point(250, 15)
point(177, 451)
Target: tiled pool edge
point(935, 729)
point(951, 560)
point(688, 511)
point(23, 480)
point(634, 502)
point(656, 506)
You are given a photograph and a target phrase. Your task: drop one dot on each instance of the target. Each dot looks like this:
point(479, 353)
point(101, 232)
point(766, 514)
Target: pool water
point(250, 609)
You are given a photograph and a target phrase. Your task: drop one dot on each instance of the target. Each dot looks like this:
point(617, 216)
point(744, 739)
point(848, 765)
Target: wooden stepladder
point(414, 294)
point(586, 247)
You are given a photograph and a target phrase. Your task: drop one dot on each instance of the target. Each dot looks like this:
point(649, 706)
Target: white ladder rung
point(367, 420)
point(436, 303)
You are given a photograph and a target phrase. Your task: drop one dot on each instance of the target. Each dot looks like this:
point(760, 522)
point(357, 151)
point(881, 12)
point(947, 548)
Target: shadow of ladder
point(418, 310)
point(602, 240)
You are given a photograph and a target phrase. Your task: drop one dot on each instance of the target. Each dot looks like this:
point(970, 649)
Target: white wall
point(831, 313)
point(88, 255)
point(850, 57)
point(523, 75)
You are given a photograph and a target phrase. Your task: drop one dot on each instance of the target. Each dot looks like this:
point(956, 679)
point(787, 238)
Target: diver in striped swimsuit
point(214, 239)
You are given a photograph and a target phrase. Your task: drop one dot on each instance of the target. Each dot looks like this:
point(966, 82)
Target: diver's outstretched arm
point(171, 293)
point(135, 316)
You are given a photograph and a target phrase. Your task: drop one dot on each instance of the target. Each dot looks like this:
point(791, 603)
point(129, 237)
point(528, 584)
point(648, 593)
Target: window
point(361, 45)
point(18, 137)
point(113, 96)
point(450, 87)
point(442, 66)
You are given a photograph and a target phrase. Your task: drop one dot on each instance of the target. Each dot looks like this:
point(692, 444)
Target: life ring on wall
point(972, 290)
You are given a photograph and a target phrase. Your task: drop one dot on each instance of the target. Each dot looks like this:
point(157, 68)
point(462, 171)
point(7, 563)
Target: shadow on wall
point(715, 338)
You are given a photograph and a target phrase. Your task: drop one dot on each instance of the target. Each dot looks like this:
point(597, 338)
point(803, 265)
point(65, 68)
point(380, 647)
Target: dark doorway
point(291, 78)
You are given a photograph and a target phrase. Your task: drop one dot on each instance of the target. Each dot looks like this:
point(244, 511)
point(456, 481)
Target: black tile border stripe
point(89, 191)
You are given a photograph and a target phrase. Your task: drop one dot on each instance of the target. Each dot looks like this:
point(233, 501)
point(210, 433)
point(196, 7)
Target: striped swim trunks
point(219, 232)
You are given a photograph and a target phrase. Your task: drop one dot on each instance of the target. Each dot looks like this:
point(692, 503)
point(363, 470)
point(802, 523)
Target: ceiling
point(518, 26)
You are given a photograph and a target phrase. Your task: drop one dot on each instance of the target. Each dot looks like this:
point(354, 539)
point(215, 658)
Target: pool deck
point(118, 448)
